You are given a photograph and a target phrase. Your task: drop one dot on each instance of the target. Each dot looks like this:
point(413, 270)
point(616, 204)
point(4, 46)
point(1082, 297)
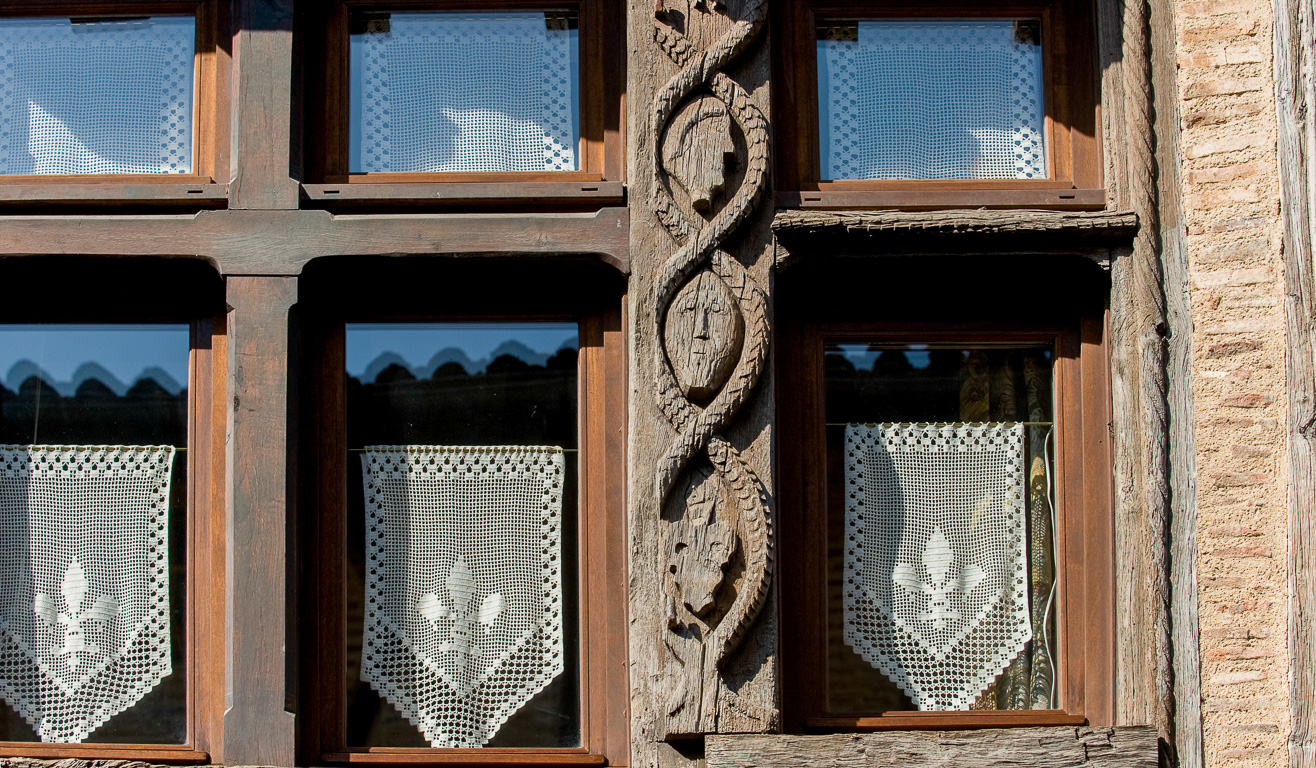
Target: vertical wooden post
point(1185, 622)
point(1295, 97)
point(703, 619)
point(261, 135)
point(258, 729)
point(1157, 655)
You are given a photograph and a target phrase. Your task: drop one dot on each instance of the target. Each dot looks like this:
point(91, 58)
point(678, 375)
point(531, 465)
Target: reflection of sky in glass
point(420, 104)
point(930, 99)
point(862, 356)
point(117, 355)
point(112, 96)
point(422, 347)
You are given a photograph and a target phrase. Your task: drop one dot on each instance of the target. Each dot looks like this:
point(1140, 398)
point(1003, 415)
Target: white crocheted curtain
point(97, 97)
point(473, 92)
point(931, 100)
point(935, 577)
point(84, 557)
point(464, 585)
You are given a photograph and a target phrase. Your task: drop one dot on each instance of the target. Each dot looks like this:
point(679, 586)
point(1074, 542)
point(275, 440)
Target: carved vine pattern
point(699, 429)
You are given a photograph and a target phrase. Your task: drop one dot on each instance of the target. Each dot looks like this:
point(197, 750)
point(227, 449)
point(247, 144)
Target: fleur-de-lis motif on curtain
point(74, 618)
point(469, 622)
point(936, 577)
point(945, 584)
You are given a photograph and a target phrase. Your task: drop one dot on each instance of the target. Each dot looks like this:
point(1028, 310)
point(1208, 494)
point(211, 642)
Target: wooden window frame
point(1084, 502)
point(210, 116)
point(598, 181)
point(1072, 114)
point(602, 366)
point(139, 302)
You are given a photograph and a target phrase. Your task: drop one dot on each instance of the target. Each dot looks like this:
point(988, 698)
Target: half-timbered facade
point(701, 382)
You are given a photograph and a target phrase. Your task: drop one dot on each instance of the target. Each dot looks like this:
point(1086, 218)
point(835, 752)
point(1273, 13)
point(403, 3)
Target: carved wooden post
point(703, 643)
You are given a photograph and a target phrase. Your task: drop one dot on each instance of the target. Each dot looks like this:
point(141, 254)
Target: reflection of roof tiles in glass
point(23, 370)
point(451, 361)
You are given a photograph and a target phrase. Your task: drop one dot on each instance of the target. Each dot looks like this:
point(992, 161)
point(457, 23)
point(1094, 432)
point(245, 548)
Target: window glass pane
point(955, 99)
point(92, 540)
point(462, 525)
point(940, 528)
point(473, 92)
point(96, 96)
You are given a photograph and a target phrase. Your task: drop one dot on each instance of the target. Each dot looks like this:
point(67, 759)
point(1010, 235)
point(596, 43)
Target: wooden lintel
point(466, 193)
point(282, 242)
point(1060, 747)
point(805, 235)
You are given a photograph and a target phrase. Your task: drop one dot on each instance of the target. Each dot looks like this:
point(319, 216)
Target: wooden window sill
point(483, 757)
point(946, 721)
point(1066, 747)
point(1065, 199)
point(150, 753)
point(430, 192)
point(66, 190)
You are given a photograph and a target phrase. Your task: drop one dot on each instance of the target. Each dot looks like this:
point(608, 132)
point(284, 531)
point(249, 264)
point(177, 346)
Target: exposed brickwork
point(1230, 199)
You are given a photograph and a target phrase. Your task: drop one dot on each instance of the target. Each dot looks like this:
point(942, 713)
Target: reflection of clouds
point(490, 140)
point(924, 99)
point(96, 97)
point(55, 149)
point(465, 92)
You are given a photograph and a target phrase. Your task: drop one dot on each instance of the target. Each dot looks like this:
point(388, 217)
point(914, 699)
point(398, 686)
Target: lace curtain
point(452, 92)
point(948, 588)
point(84, 557)
point(102, 97)
point(464, 583)
point(931, 100)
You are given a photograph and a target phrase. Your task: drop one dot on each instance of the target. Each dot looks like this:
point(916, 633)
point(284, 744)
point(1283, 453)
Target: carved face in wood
point(696, 148)
point(700, 544)
point(703, 334)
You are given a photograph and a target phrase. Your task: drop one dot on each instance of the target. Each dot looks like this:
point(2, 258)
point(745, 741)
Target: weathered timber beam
point(1116, 225)
point(282, 242)
point(808, 234)
point(257, 728)
point(1295, 96)
point(1185, 622)
point(262, 118)
point(1003, 748)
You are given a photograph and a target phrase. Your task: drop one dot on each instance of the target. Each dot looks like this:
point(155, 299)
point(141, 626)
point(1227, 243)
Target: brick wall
point(1231, 204)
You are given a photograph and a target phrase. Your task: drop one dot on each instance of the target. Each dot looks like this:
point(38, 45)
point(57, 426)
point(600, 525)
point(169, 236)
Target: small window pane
point(88, 648)
point(956, 99)
point(461, 535)
point(96, 96)
point(941, 570)
point(464, 92)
